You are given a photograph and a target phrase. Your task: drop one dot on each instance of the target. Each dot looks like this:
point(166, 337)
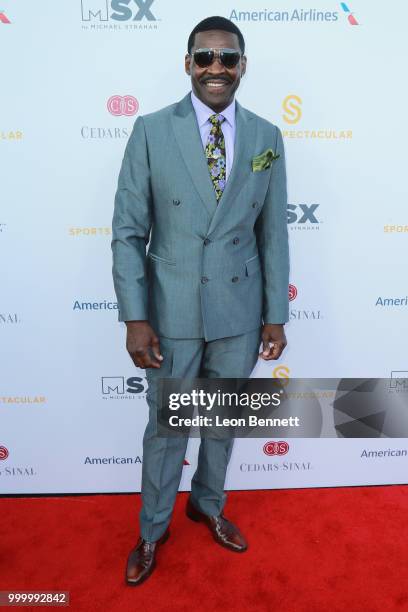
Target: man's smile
point(216, 85)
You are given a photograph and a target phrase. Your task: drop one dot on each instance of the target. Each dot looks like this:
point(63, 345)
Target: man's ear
point(243, 65)
point(187, 63)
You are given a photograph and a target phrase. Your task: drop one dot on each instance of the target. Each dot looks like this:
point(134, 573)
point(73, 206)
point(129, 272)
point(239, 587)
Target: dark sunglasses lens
point(203, 58)
point(230, 58)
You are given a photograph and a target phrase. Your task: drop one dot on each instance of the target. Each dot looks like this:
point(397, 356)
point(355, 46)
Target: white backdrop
point(70, 418)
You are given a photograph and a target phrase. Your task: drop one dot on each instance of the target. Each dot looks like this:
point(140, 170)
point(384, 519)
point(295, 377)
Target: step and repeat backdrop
point(75, 75)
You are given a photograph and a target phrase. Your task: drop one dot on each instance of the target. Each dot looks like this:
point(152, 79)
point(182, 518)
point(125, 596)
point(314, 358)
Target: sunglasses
point(205, 57)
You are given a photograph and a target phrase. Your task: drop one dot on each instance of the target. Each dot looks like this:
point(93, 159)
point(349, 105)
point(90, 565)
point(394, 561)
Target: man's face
point(228, 79)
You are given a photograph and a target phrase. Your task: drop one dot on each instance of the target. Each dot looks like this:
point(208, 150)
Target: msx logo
point(306, 213)
point(399, 379)
point(123, 10)
point(117, 385)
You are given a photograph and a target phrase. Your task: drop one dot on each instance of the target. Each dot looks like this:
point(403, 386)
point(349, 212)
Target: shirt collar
point(203, 111)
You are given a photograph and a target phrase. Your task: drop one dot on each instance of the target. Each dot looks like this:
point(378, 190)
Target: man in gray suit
point(204, 179)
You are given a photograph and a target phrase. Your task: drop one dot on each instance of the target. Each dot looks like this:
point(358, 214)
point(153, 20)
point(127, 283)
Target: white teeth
point(211, 84)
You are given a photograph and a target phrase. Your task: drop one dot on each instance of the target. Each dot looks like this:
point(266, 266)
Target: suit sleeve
point(132, 219)
point(271, 230)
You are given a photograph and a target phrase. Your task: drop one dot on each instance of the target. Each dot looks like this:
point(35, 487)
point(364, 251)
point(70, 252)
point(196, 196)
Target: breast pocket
point(259, 183)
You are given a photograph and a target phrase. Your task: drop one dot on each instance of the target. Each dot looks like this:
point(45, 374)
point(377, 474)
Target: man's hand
point(272, 333)
point(143, 344)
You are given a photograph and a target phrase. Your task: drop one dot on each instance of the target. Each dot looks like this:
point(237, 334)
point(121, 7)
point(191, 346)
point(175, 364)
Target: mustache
point(215, 78)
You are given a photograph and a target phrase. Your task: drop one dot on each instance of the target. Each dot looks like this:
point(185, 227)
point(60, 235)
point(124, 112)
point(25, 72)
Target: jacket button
point(176, 202)
point(207, 241)
point(204, 280)
point(235, 279)
point(236, 240)
point(255, 204)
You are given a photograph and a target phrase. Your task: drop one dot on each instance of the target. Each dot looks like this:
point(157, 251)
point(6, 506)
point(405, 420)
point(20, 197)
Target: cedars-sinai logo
point(276, 448)
point(292, 292)
point(3, 453)
point(122, 105)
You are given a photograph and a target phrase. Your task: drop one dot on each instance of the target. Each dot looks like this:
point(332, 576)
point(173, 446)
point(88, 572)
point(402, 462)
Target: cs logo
point(122, 105)
point(292, 292)
point(276, 448)
point(292, 107)
point(3, 453)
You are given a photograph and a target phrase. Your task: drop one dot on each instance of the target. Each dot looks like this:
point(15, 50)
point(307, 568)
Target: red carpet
point(312, 550)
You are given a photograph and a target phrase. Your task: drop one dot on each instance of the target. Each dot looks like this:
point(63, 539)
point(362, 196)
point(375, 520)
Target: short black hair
point(216, 23)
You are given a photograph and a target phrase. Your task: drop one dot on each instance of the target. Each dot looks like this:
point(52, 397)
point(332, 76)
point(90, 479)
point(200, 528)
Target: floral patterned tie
point(215, 154)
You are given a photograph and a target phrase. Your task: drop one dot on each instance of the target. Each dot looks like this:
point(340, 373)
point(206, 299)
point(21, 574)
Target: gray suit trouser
point(163, 458)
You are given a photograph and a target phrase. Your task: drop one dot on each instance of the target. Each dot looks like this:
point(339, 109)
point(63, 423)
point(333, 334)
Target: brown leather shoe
point(224, 532)
point(142, 560)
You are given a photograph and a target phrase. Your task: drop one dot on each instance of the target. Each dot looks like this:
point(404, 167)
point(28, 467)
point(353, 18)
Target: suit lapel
point(189, 141)
point(188, 138)
point(245, 139)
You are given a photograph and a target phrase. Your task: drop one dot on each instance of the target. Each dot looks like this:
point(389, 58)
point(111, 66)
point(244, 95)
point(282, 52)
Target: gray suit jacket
point(211, 271)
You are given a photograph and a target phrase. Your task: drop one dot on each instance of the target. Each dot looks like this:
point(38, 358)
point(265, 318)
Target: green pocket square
point(264, 160)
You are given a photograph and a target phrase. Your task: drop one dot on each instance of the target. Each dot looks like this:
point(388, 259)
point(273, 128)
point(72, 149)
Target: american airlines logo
point(4, 18)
